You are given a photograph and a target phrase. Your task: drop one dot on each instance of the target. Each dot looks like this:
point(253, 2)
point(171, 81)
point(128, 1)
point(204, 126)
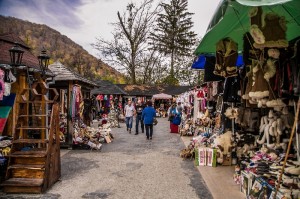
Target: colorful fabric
point(4, 111)
point(2, 124)
point(2, 87)
point(8, 100)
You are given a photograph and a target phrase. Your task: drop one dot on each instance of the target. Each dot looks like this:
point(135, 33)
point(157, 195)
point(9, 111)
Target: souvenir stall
point(108, 103)
point(26, 128)
point(75, 106)
point(162, 102)
point(12, 82)
point(259, 123)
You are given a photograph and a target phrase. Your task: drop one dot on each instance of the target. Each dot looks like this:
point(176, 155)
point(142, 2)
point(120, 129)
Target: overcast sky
point(84, 20)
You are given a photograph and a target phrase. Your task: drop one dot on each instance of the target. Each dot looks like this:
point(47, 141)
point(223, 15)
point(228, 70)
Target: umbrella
point(162, 96)
point(231, 19)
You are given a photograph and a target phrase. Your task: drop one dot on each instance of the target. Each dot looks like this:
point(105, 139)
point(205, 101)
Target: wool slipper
point(273, 127)
point(293, 170)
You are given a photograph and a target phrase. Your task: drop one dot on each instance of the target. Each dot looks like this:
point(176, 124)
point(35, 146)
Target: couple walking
point(145, 115)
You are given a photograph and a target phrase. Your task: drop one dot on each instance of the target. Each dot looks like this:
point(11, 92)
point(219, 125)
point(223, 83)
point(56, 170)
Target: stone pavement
point(130, 167)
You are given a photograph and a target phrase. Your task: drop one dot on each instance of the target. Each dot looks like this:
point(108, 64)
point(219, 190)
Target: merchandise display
point(252, 121)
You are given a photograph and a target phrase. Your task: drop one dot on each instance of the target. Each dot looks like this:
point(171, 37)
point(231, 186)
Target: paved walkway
point(129, 168)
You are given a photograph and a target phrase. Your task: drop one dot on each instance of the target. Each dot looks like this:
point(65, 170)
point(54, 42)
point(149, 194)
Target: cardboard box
point(226, 160)
point(260, 189)
point(246, 183)
point(279, 195)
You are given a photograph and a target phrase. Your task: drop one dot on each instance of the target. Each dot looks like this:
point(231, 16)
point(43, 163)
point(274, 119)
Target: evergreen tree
point(173, 35)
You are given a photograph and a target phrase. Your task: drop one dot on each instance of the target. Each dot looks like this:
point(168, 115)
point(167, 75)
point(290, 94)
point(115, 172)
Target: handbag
point(155, 121)
point(176, 120)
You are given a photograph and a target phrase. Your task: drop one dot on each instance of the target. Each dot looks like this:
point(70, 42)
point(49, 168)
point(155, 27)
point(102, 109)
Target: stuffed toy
point(231, 113)
point(223, 142)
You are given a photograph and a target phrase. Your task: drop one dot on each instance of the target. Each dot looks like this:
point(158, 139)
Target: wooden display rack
point(34, 162)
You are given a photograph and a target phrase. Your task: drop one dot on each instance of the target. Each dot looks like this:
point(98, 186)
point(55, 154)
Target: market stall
point(108, 103)
point(249, 118)
point(75, 105)
point(162, 102)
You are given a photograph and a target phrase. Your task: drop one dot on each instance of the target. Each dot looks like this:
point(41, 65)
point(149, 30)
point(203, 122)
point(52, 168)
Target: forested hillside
point(61, 48)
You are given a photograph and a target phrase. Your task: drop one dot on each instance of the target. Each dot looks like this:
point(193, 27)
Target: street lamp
point(16, 55)
point(44, 62)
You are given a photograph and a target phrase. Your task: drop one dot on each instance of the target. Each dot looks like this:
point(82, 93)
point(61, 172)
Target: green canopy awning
point(231, 19)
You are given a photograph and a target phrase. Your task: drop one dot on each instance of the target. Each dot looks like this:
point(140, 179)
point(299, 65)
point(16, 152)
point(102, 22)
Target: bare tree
point(128, 50)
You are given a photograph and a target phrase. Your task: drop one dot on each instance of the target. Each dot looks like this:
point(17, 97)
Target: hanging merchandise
point(294, 64)
point(8, 80)
point(76, 102)
point(2, 86)
point(226, 56)
point(209, 67)
point(268, 31)
point(232, 89)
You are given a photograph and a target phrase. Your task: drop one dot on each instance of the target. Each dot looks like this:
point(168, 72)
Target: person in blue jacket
point(148, 115)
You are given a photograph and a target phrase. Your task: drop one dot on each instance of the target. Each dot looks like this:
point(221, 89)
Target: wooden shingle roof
point(7, 41)
point(107, 88)
point(150, 90)
point(63, 73)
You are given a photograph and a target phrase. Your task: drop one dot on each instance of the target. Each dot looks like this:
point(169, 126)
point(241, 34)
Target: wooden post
point(16, 88)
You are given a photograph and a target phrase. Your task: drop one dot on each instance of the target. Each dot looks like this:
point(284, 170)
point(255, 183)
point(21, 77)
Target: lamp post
point(43, 62)
point(16, 55)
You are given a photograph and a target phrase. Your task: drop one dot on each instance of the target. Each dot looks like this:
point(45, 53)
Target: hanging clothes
point(76, 102)
point(232, 89)
point(2, 86)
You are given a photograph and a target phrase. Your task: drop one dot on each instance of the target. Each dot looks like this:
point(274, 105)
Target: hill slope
point(61, 48)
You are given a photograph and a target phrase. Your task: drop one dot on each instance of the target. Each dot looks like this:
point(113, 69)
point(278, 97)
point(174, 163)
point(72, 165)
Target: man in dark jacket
point(148, 116)
point(139, 109)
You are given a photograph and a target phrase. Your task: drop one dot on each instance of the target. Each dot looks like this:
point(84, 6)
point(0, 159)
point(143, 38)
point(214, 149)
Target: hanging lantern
point(16, 55)
point(44, 62)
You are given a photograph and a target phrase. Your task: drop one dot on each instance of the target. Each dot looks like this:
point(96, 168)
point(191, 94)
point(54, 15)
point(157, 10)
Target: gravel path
point(130, 167)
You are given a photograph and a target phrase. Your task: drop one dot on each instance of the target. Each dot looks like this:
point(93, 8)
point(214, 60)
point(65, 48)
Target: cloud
point(53, 13)
point(84, 20)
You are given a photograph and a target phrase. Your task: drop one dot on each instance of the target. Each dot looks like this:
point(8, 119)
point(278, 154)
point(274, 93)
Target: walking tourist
point(171, 115)
point(129, 111)
point(148, 115)
point(139, 110)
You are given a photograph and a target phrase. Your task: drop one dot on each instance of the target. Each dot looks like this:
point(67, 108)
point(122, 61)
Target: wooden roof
point(7, 41)
point(150, 90)
point(63, 73)
point(107, 88)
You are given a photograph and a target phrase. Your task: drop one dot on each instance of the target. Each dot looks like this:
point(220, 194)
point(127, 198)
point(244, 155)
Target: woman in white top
point(129, 111)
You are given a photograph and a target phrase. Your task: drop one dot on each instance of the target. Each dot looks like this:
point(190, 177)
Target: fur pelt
point(269, 70)
point(223, 142)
